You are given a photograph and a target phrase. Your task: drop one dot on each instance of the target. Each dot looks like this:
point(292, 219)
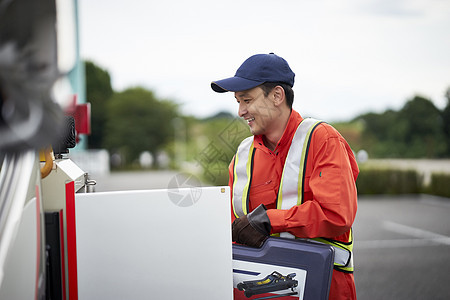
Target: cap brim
point(234, 84)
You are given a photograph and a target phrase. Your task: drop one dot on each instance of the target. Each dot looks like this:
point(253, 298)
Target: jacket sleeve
point(332, 209)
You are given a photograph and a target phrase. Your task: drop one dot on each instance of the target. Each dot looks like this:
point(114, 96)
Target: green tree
point(98, 93)
point(137, 121)
point(412, 132)
point(423, 134)
point(380, 134)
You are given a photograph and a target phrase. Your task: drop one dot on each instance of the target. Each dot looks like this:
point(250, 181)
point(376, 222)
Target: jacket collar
point(294, 120)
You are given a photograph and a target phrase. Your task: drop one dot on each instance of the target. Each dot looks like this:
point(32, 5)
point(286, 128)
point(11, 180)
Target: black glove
point(252, 229)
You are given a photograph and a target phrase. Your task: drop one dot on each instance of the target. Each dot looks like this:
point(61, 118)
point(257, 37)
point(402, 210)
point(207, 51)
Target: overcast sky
point(349, 56)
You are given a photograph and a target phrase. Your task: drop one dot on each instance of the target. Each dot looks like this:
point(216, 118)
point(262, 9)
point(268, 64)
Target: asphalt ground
point(402, 247)
point(402, 243)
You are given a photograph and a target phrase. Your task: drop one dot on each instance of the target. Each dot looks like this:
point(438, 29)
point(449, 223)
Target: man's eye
point(246, 101)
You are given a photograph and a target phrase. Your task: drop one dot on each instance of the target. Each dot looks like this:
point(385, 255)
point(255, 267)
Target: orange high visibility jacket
point(329, 201)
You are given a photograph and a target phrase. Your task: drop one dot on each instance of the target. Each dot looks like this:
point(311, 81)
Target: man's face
point(257, 109)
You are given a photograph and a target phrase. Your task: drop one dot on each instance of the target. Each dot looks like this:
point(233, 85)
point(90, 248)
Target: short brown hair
point(267, 87)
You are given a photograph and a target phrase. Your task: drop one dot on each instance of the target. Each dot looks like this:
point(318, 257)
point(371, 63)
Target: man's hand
point(252, 229)
point(244, 233)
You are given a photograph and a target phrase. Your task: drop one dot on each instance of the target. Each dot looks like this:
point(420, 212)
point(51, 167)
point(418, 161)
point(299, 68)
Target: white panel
point(20, 266)
point(153, 245)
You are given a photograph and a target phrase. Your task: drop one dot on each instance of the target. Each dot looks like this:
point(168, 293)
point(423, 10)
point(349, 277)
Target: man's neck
point(271, 139)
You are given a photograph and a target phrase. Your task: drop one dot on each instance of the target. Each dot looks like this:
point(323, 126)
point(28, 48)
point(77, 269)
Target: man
point(295, 177)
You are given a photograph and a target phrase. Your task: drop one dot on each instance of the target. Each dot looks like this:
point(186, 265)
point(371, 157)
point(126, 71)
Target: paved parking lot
point(402, 248)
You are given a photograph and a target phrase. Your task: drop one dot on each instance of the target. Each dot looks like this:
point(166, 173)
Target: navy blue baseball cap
point(256, 70)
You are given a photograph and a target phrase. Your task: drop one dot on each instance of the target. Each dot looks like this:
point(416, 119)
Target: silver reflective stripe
point(242, 177)
point(342, 257)
point(350, 263)
point(287, 235)
point(290, 193)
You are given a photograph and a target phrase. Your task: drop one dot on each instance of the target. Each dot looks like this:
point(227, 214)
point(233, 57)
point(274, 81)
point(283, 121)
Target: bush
point(388, 181)
point(440, 185)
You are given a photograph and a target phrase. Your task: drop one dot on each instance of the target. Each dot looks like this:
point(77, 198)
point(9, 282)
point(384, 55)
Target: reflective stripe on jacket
point(290, 192)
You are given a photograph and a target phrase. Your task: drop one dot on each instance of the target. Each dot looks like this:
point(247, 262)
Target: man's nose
point(242, 109)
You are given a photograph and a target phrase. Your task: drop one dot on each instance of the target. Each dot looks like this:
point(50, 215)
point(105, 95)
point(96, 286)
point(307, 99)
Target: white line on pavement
point(421, 238)
point(376, 244)
point(416, 232)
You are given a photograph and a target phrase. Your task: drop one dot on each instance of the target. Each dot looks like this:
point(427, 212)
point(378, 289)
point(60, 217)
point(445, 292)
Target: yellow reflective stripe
point(242, 177)
point(236, 158)
point(249, 176)
point(280, 193)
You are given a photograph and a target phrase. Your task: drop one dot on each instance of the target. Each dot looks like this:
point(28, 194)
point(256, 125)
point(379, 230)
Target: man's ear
point(278, 95)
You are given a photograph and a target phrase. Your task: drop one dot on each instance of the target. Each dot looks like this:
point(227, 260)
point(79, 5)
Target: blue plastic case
point(283, 269)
